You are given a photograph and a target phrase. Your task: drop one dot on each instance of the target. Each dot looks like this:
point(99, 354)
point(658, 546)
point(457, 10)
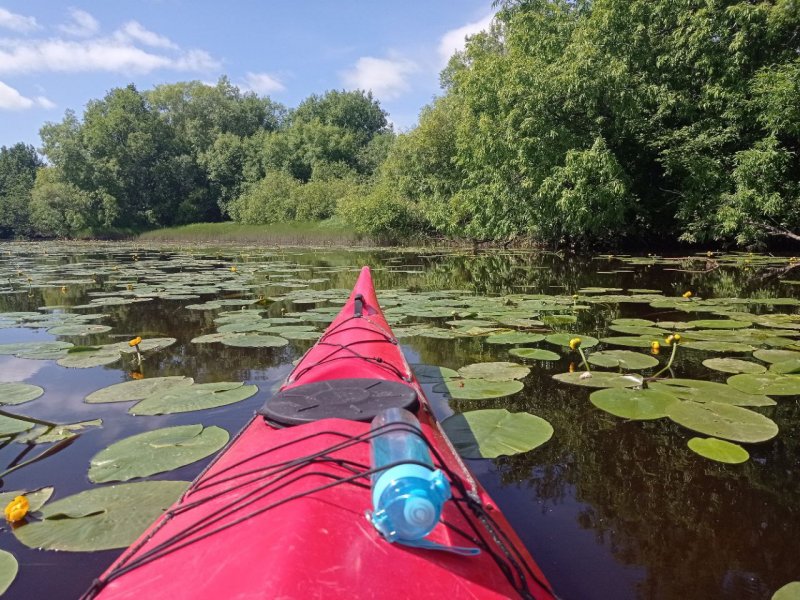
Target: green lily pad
point(710, 391)
point(477, 389)
point(433, 373)
point(562, 339)
point(633, 322)
point(19, 393)
point(534, 354)
point(773, 356)
point(136, 390)
point(9, 426)
point(723, 421)
point(90, 358)
point(515, 337)
point(155, 451)
point(733, 365)
point(629, 341)
point(718, 450)
point(102, 518)
point(786, 367)
point(556, 320)
point(254, 341)
point(78, 329)
point(770, 384)
point(720, 346)
point(36, 498)
point(790, 591)
point(719, 324)
point(8, 570)
point(494, 371)
point(496, 432)
point(600, 379)
point(42, 434)
point(636, 405)
point(624, 359)
point(185, 398)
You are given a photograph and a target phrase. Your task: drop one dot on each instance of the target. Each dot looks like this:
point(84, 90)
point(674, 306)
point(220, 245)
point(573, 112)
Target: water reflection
point(611, 509)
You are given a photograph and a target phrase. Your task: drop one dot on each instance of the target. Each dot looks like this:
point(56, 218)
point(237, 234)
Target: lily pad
point(78, 329)
point(720, 324)
point(562, 339)
point(494, 371)
point(496, 432)
point(629, 341)
point(790, 591)
point(254, 341)
point(41, 434)
point(733, 365)
point(773, 356)
point(477, 389)
point(185, 398)
point(718, 450)
point(721, 346)
point(102, 518)
point(600, 379)
point(637, 405)
point(36, 498)
point(8, 570)
point(786, 367)
point(723, 421)
point(9, 426)
point(136, 390)
point(515, 337)
point(433, 373)
point(770, 384)
point(534, 354)
point(624, 359)
point(710, 391)
point(19, 393)
point(155, 451)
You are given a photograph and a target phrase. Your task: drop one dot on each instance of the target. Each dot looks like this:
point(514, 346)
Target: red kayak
point(280, 513)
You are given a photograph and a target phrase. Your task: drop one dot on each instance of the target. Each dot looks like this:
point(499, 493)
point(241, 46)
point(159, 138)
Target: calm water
point(609, 509)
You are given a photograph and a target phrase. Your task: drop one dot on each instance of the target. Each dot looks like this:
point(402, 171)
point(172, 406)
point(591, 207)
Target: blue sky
point(55, 55)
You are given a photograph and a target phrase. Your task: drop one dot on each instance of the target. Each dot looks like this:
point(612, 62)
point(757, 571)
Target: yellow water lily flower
point(655, 347)
point(135, 341)
point(669, 339)
point(233, 269)
point(676, 337)
point(575, 343)
point(17, 509)
point(687, 294)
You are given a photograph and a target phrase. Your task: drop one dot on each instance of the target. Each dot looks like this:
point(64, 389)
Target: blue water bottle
point(407, 499)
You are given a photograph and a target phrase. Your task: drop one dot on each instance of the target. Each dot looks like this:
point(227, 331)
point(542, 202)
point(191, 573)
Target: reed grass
point(322, 233)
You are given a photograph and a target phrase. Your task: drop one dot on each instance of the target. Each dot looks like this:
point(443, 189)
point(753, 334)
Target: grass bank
point(324, 233)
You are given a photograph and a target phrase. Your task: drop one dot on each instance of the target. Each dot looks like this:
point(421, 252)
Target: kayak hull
point(282, 511)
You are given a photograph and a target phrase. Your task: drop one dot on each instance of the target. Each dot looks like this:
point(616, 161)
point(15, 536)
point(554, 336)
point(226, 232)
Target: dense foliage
point(595, 121)
point(569, 122)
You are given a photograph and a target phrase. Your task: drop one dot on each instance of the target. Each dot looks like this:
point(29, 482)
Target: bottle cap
point(420, 513)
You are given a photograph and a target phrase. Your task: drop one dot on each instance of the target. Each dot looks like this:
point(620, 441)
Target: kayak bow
point(280, 512)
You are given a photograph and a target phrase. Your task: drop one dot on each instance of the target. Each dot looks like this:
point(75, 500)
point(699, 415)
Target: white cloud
point(82, 24)
point(101, 54)
point(17, 22)
point(134, 31)
point(262, 83)
point(11, 99)
point(387, 78)
point(454, 40)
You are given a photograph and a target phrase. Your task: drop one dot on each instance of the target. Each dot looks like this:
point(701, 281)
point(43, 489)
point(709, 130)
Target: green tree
point(18, 166)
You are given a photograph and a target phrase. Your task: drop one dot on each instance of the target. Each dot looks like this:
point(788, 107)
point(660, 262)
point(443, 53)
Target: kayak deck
point(265, 523)
point(281, 512)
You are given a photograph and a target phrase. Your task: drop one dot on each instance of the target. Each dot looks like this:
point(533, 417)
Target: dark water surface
point(609, 508)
